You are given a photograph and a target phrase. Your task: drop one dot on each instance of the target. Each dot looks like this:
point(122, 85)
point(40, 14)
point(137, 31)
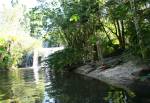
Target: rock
point(121, 75)
point(84, 69)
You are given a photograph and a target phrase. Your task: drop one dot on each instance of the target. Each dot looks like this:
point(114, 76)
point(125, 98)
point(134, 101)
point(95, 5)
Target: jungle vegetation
point(90, 30)
point(94, 29)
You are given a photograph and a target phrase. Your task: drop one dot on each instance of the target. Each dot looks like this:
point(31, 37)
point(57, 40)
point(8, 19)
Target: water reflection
point(36, 75)
point(24, 86)
point(20, 87)
point(73, 88)
point(119, 96)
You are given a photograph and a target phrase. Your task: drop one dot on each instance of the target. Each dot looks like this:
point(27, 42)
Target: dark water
point(26, 86)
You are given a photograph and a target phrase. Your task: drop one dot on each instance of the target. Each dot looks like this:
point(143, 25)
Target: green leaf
point(74, 17)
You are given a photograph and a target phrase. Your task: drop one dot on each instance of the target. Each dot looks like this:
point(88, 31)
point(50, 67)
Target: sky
point(7, 4)
point(27, 3)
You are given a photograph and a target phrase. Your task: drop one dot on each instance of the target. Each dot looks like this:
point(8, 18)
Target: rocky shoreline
point(122, 76)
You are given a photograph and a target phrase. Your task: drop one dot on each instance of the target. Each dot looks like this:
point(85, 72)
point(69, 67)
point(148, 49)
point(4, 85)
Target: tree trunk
point(99, 52)
point(106, 33)
point(119, 33)
point(137, 27)
point(123, 36)
point(95, 55)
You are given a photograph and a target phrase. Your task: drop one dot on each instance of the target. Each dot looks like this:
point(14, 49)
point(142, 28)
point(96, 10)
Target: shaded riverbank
point(124, 76)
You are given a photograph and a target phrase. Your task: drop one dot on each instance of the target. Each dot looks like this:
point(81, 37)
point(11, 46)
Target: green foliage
point(117, 25)
point(143, 36)
point(41, 26)
point(5, 57)
point(146, 39)
point(65, 59)
point(74, 18)
point(107, 47)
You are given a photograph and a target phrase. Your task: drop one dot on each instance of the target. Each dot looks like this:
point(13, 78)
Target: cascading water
point(27, 60)
point(33, 59)
point(35, 65)
point(43, 53)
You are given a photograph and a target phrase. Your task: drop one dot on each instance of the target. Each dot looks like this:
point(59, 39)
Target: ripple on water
point(22, 87)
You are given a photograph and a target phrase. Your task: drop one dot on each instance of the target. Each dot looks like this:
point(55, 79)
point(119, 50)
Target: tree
point(137, 26)
point(118, 25)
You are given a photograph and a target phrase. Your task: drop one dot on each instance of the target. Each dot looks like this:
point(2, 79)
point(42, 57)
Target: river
point(25, 86)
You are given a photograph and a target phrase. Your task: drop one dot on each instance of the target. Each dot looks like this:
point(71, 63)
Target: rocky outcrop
point(120, 75)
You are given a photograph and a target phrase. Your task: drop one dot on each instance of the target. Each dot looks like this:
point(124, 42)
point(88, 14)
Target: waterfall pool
point(27, 86)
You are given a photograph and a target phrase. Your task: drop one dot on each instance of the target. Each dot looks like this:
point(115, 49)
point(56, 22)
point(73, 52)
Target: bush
point(5, 56)
point(66, 59)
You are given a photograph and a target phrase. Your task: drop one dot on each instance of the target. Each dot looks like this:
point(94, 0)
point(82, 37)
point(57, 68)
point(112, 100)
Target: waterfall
point(35, 60)
point(35, 66)
point(28, 60)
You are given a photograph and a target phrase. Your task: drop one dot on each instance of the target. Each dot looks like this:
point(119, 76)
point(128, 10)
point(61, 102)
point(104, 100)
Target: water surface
point(26, 86)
